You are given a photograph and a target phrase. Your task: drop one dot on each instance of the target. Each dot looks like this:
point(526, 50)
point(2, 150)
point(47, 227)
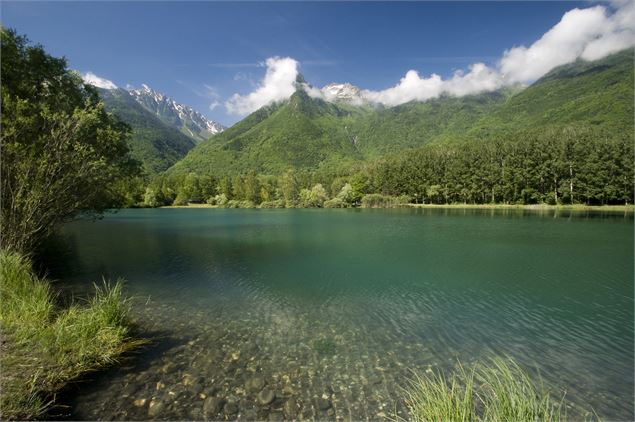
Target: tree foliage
point(570, 165)
point(61, 152)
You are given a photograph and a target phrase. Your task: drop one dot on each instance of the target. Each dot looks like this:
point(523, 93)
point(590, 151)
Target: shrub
point(219, 200)
point(313, 198)
point(180, 200)
point(150, 198)
point(278, 203)
point(346, 195)
point(335, 203)
point(234, 203)
point(375, 200)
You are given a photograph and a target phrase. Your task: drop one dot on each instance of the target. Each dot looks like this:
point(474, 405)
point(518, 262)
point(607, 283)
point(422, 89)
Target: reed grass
point(497, 390)
point(43, 348)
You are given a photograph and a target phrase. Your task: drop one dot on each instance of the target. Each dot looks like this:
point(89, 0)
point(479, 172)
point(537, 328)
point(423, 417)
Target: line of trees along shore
point(570, 165)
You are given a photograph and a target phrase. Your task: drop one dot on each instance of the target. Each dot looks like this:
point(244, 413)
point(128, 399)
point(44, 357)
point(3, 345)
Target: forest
point(555, 166)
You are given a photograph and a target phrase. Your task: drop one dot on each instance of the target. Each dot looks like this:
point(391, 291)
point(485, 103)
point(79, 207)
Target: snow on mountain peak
point(343, 92)
point(183, 117)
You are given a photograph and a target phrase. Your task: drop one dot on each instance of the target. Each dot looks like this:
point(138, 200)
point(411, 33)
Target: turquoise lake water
point(333, 309)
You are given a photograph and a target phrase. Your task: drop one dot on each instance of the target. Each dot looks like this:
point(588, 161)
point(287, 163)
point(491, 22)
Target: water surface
point(332, 309)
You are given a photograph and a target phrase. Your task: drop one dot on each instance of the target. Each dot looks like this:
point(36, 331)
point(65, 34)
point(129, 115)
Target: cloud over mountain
point(278, 84)
point(92, 79)
point(589, 34)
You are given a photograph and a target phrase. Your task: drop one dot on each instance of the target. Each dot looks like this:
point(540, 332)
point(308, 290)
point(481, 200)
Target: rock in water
point(290, 408)
point(155, 408)
point(266, 396)
point(212, 405)
point(140, 402)
point(231, 408)
point(323, 404)
point(255, 384)
point(275, 416)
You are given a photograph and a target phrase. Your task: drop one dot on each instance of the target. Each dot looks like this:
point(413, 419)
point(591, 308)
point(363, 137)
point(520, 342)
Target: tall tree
point(61, 152)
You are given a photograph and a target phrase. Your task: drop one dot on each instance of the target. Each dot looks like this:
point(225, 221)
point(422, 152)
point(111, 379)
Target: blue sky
point(201, 53)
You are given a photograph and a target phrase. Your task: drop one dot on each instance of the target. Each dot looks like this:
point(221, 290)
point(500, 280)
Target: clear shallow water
point(340, 305)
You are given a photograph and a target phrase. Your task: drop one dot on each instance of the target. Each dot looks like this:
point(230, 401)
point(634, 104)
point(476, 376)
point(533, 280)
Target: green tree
point(150, 198)
point(251, 187)
point(225, 187)
point(314, 197)
point(346, 194)
point(289, 186)
point(267, 188)
point(62, 154)
point(238, 188)
point(192, 189)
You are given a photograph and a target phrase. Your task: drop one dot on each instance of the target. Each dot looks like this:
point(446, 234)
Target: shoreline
point(535, 207)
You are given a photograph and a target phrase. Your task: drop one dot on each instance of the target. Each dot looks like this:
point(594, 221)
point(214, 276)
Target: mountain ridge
point(154, 143)
point(305, 132)
point(183, 117)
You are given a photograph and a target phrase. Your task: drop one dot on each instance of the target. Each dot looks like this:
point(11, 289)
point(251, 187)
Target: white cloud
point(410, 87)
point(480, 78)
point(313, 92)
point(92, 79)
point(562, 44)
point(588, 34)
point(278, 84)
point(214, 105)
point(618, 35)
point(413, 87)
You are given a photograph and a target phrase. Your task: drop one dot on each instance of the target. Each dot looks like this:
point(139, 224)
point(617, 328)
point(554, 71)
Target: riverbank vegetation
point(576, 165)
point(44, 347)
point(62, 155)
point(498, 390)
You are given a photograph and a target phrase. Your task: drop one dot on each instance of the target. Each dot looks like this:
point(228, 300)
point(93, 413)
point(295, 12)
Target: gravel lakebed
point(235, 364)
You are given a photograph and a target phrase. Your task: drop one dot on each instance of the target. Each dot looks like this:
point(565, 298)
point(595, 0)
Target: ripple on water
point(333, 310)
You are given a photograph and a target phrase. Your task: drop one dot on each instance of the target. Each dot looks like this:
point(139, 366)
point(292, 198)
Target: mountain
point(598, 93)
point(307, 133)
point(154, 143)
point(182, 117)
point(413, 124)
point(301, 132)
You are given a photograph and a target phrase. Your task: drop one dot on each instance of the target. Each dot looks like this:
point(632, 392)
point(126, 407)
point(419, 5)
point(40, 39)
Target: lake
point(333, 309)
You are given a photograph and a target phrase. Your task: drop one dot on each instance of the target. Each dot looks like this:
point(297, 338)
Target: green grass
point(43, 348)
point(498, 390)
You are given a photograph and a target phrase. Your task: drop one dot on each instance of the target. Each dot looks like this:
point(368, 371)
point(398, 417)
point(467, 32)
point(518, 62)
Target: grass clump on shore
point(499, 390)
point(44, 347)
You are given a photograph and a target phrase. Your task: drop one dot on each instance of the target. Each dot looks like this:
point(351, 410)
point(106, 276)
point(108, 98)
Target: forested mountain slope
point(155, 144)
point(307, 133)
point(597, 93)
